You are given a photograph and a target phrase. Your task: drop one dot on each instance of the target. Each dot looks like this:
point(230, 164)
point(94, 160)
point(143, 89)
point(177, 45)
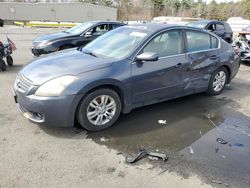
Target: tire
point(66, 47)
point(221, 75)
point(2, 65)
point(9, 60)
point(94, 104)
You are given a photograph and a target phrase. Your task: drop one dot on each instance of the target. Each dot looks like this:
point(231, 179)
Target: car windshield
point(78, 29)
point(117, 44)
point(197, 24)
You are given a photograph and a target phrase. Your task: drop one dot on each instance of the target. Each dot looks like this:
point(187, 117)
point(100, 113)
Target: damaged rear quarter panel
point(203, 63)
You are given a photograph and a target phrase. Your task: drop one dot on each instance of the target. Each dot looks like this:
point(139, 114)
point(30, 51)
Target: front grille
point(23, 83)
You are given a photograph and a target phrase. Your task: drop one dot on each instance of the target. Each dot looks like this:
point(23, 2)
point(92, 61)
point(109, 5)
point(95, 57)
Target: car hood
point(51, 37)
point(69, 62)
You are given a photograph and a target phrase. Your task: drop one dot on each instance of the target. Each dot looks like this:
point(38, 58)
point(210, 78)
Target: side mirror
point(147, 56)
point(88, 34)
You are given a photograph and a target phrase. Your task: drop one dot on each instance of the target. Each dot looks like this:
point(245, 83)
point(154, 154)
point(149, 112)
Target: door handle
point(213, 57)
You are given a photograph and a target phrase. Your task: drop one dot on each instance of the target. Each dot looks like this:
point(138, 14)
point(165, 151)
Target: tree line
point(186, 8)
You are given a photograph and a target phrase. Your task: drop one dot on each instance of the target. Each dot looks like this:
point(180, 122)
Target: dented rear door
point(202, 55)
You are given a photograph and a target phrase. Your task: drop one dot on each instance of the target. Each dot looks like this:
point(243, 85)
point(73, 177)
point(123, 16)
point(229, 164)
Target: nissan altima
point(127, 68)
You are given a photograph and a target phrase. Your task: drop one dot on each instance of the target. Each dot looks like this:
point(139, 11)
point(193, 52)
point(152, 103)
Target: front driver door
point(158, 80)
point(93, 33)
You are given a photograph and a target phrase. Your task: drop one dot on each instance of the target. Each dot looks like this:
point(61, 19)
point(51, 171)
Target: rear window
point(199, 41)
point(219, 27)
point(227, 26)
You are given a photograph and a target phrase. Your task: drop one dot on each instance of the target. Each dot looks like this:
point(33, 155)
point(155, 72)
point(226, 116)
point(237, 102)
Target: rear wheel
point(9, 60)
point(99, 110)
point(218, 81)
point(2, 65)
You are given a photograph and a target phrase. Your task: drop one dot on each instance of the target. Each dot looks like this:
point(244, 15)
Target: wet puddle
point(187, 119)
point(218, 135)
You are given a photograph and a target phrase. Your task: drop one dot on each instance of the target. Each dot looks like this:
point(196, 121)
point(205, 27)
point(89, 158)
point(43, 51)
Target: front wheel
point(99, 110)
point(9, 60)
point(218, 81)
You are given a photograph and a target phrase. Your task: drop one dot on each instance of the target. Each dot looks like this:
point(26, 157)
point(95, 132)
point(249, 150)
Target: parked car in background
point(247, 29)
point(220, 28)
point(126, 68)
point(76, 36)
point(1, 22)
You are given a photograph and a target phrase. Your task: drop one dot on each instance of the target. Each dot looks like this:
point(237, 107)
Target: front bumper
point(49, 111)
point(37, 52)
point(46, 50)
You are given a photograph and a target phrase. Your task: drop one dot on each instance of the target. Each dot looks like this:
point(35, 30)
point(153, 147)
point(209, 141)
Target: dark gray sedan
point(76, 36)
point(127, 68)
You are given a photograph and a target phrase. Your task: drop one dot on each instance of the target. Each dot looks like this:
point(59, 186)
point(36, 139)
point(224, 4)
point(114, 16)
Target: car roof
point(105, 21)
point(207, 21)
point(155, 27)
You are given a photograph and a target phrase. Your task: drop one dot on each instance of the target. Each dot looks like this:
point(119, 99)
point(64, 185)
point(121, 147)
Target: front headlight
point(56, 86)
point(41, 44)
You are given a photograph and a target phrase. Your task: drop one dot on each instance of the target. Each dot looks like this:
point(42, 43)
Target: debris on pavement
point(201, 133)
point(153, 158)
point(219, 182)
point(103, 139)
point(162, 122)
point(238, 145)
point(118, 153)
point(221, 141)
point(216, 150)
point(149, 166)
point(191, 150)
point(111, 170)
point(121, 174)
point(143, 152)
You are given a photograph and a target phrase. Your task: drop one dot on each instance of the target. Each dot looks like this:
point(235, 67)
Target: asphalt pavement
point(207, 139)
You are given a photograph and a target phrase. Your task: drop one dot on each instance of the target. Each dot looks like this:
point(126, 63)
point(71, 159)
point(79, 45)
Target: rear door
point(202, 56)
point(220, 30)
point(92, 34)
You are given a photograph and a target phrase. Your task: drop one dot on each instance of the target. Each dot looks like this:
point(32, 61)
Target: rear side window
point(199, 41)
point(219, 27)
point(214, 42)
point(228, 28)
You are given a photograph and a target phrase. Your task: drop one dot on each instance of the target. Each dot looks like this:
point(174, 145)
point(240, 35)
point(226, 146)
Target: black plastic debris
point(219, 182)
point(238, 145)
point(143, 152)
point(221, 141)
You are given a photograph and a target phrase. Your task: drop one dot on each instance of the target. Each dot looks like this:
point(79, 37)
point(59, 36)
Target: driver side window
point(211, 27)
point(100, 29)
point(166, 44)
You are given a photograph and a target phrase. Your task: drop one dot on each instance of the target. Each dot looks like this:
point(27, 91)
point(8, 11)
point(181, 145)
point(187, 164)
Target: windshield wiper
point(90, 53)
